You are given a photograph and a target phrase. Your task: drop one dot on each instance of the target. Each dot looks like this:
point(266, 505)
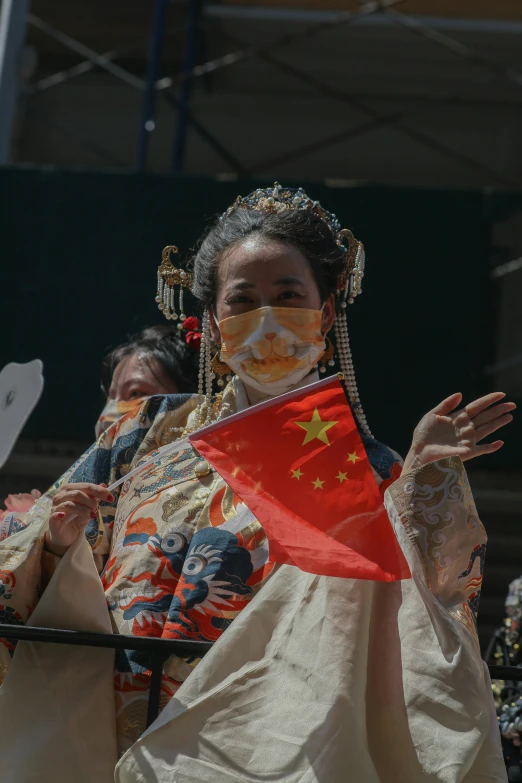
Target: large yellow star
point(318, 484)
point(352, 457)
point(297, 473)
point(316, 428)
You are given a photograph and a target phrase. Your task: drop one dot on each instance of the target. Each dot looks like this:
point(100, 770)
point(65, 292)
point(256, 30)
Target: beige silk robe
point(317, 679)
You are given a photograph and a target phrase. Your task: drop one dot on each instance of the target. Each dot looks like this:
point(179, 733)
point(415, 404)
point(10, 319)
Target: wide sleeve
point(25, 567)
point(435, 508)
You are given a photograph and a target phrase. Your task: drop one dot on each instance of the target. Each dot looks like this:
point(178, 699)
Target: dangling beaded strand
point(205, 338)
point(159, 295)
point(182, 315)
point(346, 363)
point(166, 301)
point(207, 410)
point(208, 374)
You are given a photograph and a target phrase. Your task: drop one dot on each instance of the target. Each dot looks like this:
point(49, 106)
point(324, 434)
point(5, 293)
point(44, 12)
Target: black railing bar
point(158, 647)
point(505, 673)
point(164, 647)
point(156, 675)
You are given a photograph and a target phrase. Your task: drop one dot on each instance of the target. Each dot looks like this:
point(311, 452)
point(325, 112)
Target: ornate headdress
point(279, 199)
point(274, 200)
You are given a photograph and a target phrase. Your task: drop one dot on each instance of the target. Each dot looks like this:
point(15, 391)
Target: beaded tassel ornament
point(169, 277)
point(276, 200)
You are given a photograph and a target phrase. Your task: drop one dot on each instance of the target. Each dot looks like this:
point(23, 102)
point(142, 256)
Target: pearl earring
point(328, 356)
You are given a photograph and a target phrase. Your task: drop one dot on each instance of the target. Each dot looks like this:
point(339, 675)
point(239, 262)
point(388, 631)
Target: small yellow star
point(353, 457)
point(341, 476)
point(297, 473)
point(318, 484)
point(316, 428)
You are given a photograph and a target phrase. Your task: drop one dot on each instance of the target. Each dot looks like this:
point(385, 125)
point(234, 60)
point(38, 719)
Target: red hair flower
point(193, 339)
point(191, 324)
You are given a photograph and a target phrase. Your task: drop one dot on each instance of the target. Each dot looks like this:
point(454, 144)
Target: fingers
point(494, 412)
point(477, 406)
point(492, 426)
point(64, 515)
point(448, 405)
point(78, 501)
point(487, 448)
point(95, 491)
point(76, 497)
point(67, 511)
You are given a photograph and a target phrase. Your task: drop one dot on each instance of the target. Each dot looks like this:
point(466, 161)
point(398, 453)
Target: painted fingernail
point(60, 514)
point(94, 514)
point(110, 498)
point(103, 485)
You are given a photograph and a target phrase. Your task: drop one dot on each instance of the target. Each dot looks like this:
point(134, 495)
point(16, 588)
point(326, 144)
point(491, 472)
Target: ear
point(214, 329)
point(328, 314)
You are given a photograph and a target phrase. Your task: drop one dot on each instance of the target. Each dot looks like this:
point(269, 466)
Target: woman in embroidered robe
point(158, 360)
point(316, 678)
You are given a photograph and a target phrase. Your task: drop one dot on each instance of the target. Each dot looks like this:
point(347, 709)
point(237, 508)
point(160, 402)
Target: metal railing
point(158, 650)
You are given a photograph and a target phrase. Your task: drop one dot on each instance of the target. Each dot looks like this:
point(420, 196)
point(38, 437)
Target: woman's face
point(260, 273)
point(135, 377)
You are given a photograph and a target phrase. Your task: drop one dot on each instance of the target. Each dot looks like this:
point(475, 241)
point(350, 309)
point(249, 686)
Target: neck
point(254, 395)
point(247, 396)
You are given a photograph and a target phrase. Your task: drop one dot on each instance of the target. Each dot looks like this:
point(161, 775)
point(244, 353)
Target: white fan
point(21, 386)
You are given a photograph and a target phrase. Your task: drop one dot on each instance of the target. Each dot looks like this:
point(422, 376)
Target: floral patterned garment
point(179, 554)
point(12, 519)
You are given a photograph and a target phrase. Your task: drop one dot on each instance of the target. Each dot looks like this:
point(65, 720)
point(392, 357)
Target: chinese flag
point(299, 465)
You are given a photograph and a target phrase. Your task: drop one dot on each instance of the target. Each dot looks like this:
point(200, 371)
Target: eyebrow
point(244, 285)
point(289, 281)
point(127, 386)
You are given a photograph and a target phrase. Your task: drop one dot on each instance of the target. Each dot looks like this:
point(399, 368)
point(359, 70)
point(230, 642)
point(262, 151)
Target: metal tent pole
point(13, 15)
point(180, 138)
point(149, 99)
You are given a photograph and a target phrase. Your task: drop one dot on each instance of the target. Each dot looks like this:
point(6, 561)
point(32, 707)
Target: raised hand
point(447, 432)
point(72, 509)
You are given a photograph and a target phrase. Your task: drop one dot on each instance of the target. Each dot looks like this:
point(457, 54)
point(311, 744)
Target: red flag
point(298, 463)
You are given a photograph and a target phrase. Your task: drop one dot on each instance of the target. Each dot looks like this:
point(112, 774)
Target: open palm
point(447, 432)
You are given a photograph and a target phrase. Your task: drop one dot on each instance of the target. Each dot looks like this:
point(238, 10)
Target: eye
point(173, 543)
point(240, 298)
point(194, 565)
point(135, 394)
point(289, 295)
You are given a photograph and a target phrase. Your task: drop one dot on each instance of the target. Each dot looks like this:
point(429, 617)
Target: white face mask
point(273, 348)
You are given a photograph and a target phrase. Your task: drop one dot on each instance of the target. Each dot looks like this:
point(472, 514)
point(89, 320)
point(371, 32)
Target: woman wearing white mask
point(314, 678)
point(157, 360)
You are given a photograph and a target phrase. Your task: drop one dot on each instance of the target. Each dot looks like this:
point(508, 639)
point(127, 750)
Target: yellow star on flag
point(297, 473)
point(316, 428)
point(352, 457)
point(318, 484)
point(341, 476)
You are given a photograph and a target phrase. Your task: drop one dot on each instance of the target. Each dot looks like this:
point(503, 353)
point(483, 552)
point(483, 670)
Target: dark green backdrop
point(79, 256)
